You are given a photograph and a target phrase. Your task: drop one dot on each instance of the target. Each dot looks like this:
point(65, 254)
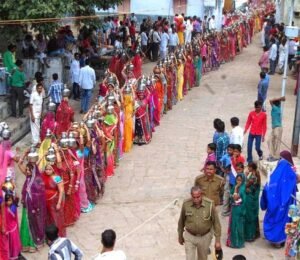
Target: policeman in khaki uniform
point(211, 184)
point(197, 223)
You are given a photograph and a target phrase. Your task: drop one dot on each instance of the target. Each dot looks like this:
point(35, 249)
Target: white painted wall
point(152, 7)
point(195, 7)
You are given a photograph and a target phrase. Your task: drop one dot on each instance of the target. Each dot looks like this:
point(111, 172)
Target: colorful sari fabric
point(169, 89)
point(33, 198)
point(64, 117)
point(128, 122)
point(45, 145)
point(180, 70)
point(112, 64)
point(252, 208)
point(188, 75)
point(6, 161)
point(4, 245)
point(276, 199)
point(48, 123)
point(151, 106)
point(236, 235)
point(137, 63)
point(54, 216)
point(68, 173)
point(198, 70)
point(109, 129)
point(142, 124)
point(12, 229)
point(158, 101)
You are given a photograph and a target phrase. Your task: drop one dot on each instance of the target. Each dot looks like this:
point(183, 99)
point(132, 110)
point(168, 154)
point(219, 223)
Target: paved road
point(150, 177)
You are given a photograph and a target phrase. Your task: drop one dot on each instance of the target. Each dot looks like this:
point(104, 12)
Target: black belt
point(197, 235)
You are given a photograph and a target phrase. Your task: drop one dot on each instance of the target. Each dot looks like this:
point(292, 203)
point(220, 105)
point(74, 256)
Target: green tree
point(38, 9)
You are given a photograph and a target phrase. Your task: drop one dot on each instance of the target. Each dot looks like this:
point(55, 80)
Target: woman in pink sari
point(7, 158)
point(12, 226)
point(48, 123)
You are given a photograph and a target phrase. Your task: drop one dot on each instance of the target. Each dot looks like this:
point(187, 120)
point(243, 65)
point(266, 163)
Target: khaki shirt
point(211, 188)
point(199, 220)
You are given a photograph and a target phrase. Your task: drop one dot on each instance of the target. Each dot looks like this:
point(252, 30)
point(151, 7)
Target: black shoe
point(22, 116)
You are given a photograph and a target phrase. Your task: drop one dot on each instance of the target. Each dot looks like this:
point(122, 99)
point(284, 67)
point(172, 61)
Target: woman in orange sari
point(128, 103)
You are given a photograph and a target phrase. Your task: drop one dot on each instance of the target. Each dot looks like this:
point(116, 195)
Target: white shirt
point(237, 136)
point(189, 26)
point(173, 39)
point(164, 41)
point(87, 77)
point(273, 52)
point(212, 24)
point(112, 255)
point(156, 37)
point(75, 70)
point(144, 39)
point(36, 101)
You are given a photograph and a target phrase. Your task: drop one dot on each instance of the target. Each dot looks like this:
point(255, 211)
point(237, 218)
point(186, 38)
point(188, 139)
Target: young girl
point(11, 226)
point(252, 203)
point(211, 154)
point(236, 236)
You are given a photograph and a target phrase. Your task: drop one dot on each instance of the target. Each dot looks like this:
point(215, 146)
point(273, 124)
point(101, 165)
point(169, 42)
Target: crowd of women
point(66, 176)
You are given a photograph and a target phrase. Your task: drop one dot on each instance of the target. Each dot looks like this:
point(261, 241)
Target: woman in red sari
point(142, 123)
point(158, 95)
point(54, 190)
point(48, 122)
point(64, 117)
point(69, 170)
point(137, 63)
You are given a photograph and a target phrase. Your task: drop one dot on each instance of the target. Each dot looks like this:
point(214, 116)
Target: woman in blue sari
point(276, 199)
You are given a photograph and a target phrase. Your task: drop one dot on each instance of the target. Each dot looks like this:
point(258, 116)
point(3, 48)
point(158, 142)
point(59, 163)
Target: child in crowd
point(237, 133)
point(211, 154)
point(225, 165)
point(237, 156)
point(253, 183)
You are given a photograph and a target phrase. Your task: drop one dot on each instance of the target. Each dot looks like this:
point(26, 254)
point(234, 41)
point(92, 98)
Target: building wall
point(152, 7)
point(195, 7)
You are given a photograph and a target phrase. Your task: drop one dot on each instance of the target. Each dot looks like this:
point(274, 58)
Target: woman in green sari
point(236, 236)
point(252, 203)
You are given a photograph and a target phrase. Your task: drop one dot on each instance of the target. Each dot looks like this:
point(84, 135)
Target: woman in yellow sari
point(180, 79)
point(128, 102)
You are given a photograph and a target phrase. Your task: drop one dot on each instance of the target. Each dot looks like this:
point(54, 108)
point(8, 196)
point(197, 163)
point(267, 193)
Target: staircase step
point(19, 127)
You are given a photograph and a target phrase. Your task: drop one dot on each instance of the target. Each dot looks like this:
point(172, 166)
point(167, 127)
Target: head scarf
point(287, 156)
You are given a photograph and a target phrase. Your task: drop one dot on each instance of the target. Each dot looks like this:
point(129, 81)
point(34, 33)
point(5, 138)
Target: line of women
point(66, 176)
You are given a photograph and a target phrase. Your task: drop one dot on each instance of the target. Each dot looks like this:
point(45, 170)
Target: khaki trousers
point(195, 243)
point(274, 142)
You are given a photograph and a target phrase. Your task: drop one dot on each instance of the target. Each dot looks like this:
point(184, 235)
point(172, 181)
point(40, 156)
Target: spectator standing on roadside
point(237, 133)
point(155, 44)
point(273, 56)
point(75, 71)
point(257, 122)
point(87, 81)
point(17, 89)
point(276, 134)
point(55, 90)
point(36, 109)
point(61, 248)
point(164, 44)
point(173, 40)
point(108, 240)
point(144, 40)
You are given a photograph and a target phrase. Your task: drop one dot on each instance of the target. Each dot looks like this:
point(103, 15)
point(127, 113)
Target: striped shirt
point(55, 91)
point(62, 249)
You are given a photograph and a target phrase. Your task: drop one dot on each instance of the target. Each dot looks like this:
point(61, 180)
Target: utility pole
point(284, 77)
point(296, 128)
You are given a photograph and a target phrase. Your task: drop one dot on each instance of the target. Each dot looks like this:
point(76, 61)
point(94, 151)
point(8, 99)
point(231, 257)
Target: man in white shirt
point(35, 109)
point(164, 44)
point(237, 133)
point(87, 81)
point(272, 56)
point(144, 41)
point(108, 240)
point(75, 71)
point(173, 40)
point(188, 31)
point(212, 23)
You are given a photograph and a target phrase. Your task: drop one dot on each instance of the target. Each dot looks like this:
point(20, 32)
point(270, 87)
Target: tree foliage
point(36, 9)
